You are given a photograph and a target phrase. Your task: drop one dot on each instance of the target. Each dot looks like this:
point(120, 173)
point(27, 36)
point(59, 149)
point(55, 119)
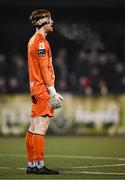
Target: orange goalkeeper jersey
point(41, 73)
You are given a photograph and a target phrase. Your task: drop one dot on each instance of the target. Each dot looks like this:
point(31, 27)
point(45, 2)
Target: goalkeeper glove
point(55, 98)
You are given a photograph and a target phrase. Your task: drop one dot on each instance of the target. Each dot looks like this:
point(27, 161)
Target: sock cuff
point(40, 164)
point(31, 164)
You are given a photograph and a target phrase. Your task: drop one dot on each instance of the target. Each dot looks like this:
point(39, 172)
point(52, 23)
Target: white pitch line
point(95, 166)
point(6, 168)
point(12, 168)
point(94, 172)
point(68, 157)
point(12, 155)
point(19, 168)
point(85, 157)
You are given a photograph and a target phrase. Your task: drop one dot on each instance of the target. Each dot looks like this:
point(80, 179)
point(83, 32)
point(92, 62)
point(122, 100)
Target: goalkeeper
point(43, 94)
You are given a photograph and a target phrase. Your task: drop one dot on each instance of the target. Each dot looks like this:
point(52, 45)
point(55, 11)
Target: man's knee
point(32, 125)
point(41, 129)
point(40, 125)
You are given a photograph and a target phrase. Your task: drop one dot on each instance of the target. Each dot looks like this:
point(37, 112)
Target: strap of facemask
point(43, 24)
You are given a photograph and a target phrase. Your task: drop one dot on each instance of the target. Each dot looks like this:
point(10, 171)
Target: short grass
point(76, 157)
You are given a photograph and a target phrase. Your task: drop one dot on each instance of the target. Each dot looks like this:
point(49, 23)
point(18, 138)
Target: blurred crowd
point(81, 72)
point(89, 73)
point(13, 74)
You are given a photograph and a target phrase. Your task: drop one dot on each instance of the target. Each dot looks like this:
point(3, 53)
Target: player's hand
point(56, 101)
point(55, 98)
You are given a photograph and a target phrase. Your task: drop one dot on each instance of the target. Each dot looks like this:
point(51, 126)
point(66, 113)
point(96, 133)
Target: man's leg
point(29, 143)
point(30, 146)
point(39, 127)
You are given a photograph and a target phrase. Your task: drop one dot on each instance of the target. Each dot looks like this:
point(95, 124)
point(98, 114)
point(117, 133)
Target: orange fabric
point(35, 145)
point(41, 106)
point(39, 145)
point(41, 75)
point(29, 141)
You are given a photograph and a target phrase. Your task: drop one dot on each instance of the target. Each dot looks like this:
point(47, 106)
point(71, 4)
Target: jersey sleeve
point(46, 67)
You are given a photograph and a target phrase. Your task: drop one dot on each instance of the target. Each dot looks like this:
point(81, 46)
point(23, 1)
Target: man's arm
point(48, 76)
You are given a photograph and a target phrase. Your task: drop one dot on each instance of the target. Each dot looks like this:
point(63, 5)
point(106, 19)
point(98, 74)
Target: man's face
point(49, 25)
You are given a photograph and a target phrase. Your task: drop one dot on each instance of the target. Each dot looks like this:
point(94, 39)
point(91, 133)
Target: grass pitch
point(76, 157)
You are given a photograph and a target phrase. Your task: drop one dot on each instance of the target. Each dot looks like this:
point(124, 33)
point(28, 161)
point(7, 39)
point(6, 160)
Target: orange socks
point(29, 141)
point(35, 145)
point(39, 145)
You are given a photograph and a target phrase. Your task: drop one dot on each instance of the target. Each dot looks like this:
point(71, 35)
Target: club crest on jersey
point(41, 46)
point(41, 50)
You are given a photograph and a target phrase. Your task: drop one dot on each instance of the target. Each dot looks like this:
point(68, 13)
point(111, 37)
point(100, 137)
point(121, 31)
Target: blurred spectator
point(81, 62)
point(3, 65)
point(21, 71)
point(13, 85)
point(119, 73)
point(81, 69)
point(103, 88)
point(106, 66)
point(95, 77)
point(121, 86)
point(18, 74)
point(3, 73)
point(61, 71)
point(84, 86)
point(2, 85)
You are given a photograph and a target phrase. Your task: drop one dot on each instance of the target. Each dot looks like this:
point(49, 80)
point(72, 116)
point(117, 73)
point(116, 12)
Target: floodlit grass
point(76, 157)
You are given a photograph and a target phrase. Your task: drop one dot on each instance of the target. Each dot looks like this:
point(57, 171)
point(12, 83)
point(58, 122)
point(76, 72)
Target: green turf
point(76, 158)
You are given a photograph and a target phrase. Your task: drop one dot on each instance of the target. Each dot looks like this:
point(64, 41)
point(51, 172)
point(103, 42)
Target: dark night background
point(105, 17)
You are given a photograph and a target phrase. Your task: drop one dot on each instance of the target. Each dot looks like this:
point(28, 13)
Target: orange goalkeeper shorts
point(41, 105)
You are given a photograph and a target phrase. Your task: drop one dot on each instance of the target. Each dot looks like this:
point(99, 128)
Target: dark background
point(105, 17)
